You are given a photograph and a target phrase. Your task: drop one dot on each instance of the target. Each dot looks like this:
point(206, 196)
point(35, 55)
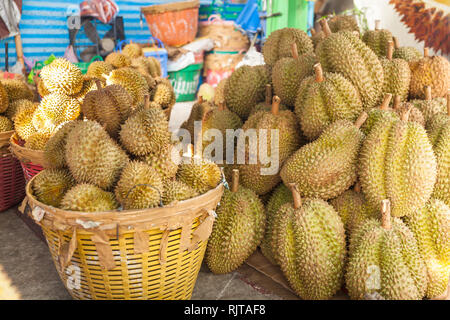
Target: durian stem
point(146, 101)
point(428, 93)
point(361, 119)
point(426, 52)
point(325, 27)
point(405, 114)
point(313, 31)
point(386, 214)
point(200, 99)
point(387, 99)
point(396, 43)
point(357, 187)
point(268, 94)
point(235, 181)
point(319, 72)
point(390, 50)
point(294, 51)
point(448, 104)
point(397, 100)
point(377, 24)
point(295, 195)
point(98, 83)
point(275, 105)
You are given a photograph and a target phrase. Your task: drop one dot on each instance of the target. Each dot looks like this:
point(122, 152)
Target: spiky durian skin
point(397, 163)
point(430, 108)
point(132, 50)
point(131, 80)
point(318, 104)
point(92, 156)
point(99, 70)
point(139, 187)
point(376, 115)
point(263, 106)
point(175, 190)
point(359, 64)
point(50, 186)
point(219, 93)
point(5, 124)
point(18, 106)
point(245, 88)
point(280, 196)
point(118, 60)
point(155, 67)
point(237, 231)
point(55, 109)
point(431, 228)
point(147, 65)
point(431, 71)
point(37, 141)
point(145, 132)
point(310, 245)
point(200, 174)
point(407, 53)
point(278, 44)
point(378, 41)
point(415, 115)
point(326, 167)
point(62, 76)
point(397, 76)
point(88, 86)
point(23, 123)
point(55, 148)
point(165, 161)
point(88, 198)
point(41, 88)
point(163, 94)
point(385, 261)
point(17, 89)
point(288, 73)
point(343, 23)
point(4, 99)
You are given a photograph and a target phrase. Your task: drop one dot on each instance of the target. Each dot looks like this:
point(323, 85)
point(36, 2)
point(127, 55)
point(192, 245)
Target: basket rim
point(175, 6)
point(5, 137)
point(131, 216)
point(18, 151)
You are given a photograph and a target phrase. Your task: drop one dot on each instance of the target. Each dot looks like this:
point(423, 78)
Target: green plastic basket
point(185, 82)
point(85, 65)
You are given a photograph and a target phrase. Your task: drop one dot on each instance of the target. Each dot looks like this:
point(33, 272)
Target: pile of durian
point(107, 139)
point(361, 200)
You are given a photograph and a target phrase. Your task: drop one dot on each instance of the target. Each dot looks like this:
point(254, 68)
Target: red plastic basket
point(12, 183)
point(32, 161)
point(30, 170)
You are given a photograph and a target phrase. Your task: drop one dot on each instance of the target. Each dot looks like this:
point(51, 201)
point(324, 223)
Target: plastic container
point(185, 82)
point(175, 23)
point(132, 254)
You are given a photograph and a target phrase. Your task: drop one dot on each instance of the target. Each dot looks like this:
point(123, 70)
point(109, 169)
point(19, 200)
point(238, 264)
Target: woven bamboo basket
point(12, 183)
point(133, 254)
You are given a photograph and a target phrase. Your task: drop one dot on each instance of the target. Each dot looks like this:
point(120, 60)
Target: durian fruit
point(383, 112)
point(345, 53)
point(238, 229)
point(139, 187)
point(155, 67)
point(431, 228)
point(50, 186)
point(433, 71)
point(175, 190)
point(206, 92)
point(343, 23)
point(147, 65)
point(165, 161)
point(132, 50)
point(89, 85)
point(93, 156)
point(146, 131)
point(55, 109)
point(88, 198)
point(110, 106)
point(99, 70)
point(289, 140)
point(430, 107)
point(131, 80)
point(353, 209)
point(378, 39)
point(41, 88)
point(6, 124)
point(326, 167)
point(406, 53)
point(245, 88)
point(384, 258)
point(37, 141)
point(415, 115)
point(4, 99)
point(219, 93)
point(23, 124)
point(397, 163)
point(266, 105)
point(316, 36)
point(397, 74)
point(288, 73)
point(17, 89)
point(163, 94)
point(118, 60)
point(280, 196)
point(17, 106)
point(279, 44)
point(310, 245)
point(62, 76)
point(55, 148)
point(323, 99)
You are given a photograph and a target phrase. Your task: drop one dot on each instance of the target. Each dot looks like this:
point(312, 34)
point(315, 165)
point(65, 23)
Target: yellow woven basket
point(134, 254)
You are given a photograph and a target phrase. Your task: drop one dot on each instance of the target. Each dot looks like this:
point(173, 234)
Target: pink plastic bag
point(103, 10)
point(70, 55)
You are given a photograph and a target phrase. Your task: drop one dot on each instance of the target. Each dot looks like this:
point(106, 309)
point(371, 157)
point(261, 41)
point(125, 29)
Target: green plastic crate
point(185, 82)
point(294, 14)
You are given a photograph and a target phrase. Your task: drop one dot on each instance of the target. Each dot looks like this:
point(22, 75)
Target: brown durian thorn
point(390, 50)
point(405, 114)
point(428, 93)
point(387, 99)
point(397, 100)
point(377, 24)
point(396, 44)
point(294, 51)
point(268, 94)
point(426, 52)
point(386, 214)
point(235, 181)
point(319, 72)
point(325, 27)
point(146, 101)
point(275, 105)
point(295, 195)
point(361, 119)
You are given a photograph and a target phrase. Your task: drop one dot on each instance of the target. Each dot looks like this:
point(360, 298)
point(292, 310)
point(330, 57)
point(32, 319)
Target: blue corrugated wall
point(44, 27)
